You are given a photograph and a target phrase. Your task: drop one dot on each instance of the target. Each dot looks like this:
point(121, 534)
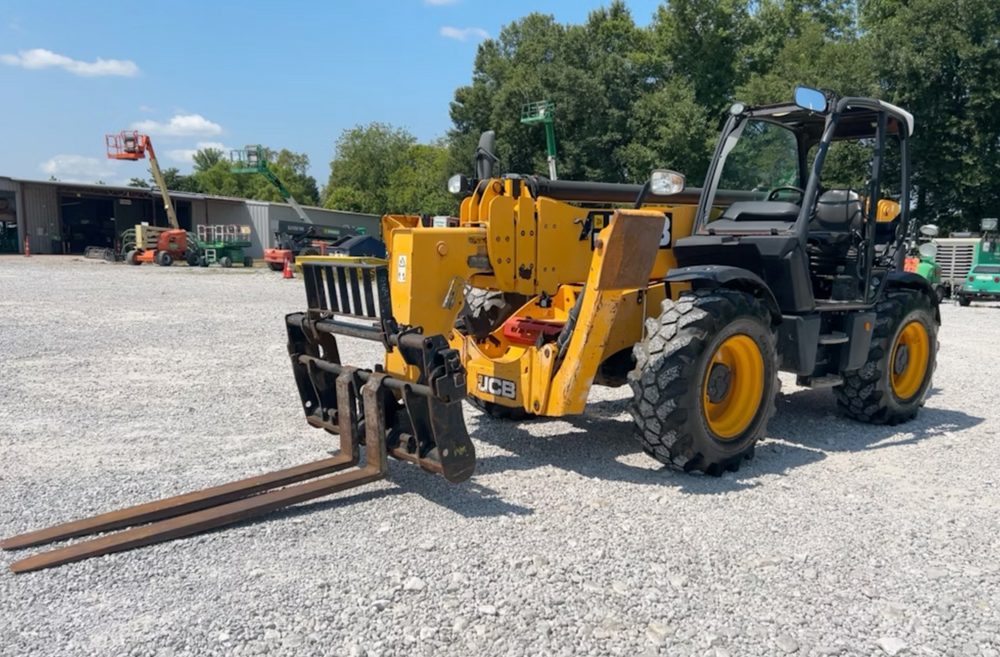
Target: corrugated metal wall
point(7, 185)
point(229, 212)
point(40, 217)
point(277, 212)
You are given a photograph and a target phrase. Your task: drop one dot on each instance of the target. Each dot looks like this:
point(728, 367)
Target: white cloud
point(182, 125)
point(184, 155)
point(461, 34)
point(39, 58)
point(81, 168)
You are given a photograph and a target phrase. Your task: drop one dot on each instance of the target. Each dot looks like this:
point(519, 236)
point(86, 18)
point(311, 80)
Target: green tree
point(207, 158)
point(939, 60)
point(420, 184)
point(138, 182)
point(362, 168)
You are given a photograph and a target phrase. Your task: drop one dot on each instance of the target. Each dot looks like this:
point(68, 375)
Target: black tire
point(192, 259)
point(867, 394)
point(226, 261)
point(130, 258)
point(485, 310)
point(668, 406)
point(164, 259)
point(203, 261)
point(247, 261)
point(964, 300)
point(939, 293)
point(276, 266)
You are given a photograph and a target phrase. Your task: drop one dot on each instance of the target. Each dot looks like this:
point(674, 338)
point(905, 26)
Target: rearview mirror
point(929, 230)
point(810, 99)
point(664, 182)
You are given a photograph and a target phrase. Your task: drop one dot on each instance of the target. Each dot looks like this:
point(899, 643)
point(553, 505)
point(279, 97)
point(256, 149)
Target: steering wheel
point(770, 195)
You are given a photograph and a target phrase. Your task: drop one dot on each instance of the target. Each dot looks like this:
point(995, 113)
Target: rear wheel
point(705, 381)
point(226, 261)
point(192, 258)
point(275, 266)
point(247, 261)
point(964, 300)
point(164, 259)
point(130, 258)
point(891, 386)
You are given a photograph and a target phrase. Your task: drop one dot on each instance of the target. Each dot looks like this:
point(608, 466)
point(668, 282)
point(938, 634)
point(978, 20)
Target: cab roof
point(858, 118)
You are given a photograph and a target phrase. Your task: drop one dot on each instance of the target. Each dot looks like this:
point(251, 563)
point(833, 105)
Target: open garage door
point(87, 222)
point(8, 223)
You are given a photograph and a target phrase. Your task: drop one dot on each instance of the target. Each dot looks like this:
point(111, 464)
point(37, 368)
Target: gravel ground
point(125, 385)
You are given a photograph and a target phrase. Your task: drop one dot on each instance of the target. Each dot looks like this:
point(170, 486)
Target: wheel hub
point(719, 379)
point(902, 360)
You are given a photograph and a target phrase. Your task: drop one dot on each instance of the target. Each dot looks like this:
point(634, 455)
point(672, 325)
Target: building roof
point(124, 190)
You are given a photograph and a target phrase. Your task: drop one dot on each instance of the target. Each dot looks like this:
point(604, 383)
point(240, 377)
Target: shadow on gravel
point(810, 418)
point(601, 436)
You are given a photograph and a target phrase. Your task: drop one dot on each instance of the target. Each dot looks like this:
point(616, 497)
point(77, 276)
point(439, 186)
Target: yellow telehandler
point(541, 289)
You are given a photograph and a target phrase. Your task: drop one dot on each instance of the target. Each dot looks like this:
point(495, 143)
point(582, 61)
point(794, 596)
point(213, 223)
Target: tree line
point(632, 98)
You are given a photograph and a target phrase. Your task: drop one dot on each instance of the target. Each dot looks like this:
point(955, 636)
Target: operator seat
point(836, 222)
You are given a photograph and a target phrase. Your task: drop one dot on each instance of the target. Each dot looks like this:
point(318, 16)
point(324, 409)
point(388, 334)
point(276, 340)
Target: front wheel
point(275, 266)
point(226, 261)
point(705, 381)
point(130, 258)
point(964, 300)
point(247, 261)
point(891, 386)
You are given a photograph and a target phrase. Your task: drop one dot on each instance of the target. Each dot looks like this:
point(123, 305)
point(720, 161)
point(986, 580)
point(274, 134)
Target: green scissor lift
point(544, 112)
point(224, 245)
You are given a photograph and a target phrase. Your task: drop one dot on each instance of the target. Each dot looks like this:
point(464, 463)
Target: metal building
point(66, 218)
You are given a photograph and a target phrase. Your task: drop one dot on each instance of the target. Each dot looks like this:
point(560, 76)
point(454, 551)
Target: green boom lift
point(253, 159)
point(544, 112)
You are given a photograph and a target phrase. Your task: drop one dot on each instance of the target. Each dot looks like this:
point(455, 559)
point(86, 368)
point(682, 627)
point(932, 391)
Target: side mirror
point(810, 99)
point(929, 230)
point(664, 182)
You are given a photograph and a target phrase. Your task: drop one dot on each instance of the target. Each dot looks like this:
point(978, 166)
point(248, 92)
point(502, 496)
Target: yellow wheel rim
point(733, 386)
point(910, 357)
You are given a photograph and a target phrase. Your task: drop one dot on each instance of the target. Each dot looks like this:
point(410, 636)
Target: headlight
point(664, 182)
point(457, 184)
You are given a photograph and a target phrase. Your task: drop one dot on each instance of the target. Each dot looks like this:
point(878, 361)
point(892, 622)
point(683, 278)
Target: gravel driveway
point(122, 385)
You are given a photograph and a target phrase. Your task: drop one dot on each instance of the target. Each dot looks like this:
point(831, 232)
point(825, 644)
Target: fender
point(911, 281)
point(735, 278)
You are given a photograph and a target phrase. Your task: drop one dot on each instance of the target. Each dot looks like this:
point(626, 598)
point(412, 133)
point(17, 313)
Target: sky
point(193, 73)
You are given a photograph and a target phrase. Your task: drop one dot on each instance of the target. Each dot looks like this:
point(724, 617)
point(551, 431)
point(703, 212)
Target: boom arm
point(168, 205)
point(285, 194)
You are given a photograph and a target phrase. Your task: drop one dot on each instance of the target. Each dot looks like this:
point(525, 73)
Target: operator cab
point(811, 232)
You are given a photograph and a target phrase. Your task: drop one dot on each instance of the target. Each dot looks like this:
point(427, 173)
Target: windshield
point(986, 269)
point(765, 156)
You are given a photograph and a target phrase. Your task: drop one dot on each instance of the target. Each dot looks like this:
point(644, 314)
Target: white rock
point(414, 584)
point(891, 645)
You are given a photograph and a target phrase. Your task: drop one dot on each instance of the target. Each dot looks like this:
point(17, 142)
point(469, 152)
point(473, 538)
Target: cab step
point(829, 381)
point(834, 337)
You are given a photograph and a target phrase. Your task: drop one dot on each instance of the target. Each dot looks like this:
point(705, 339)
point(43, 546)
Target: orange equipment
point(130, 145)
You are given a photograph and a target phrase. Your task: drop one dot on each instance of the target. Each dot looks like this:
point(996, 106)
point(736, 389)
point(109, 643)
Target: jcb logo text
point(497, 387)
